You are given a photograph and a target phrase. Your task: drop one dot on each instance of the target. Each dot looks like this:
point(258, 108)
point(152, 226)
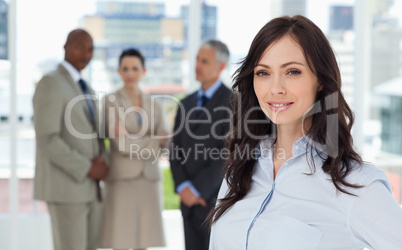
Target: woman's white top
point(298, 211)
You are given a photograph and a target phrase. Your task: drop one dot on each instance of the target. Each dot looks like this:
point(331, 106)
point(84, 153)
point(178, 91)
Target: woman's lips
point(279, 106)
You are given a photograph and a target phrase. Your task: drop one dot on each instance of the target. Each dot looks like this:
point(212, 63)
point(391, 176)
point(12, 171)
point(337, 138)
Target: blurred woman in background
point(132, 216)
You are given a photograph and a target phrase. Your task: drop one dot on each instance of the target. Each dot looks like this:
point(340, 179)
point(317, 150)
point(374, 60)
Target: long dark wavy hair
point(331, 123)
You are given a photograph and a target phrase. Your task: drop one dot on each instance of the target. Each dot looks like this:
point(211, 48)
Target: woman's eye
point(294, 72)
point(261, 73)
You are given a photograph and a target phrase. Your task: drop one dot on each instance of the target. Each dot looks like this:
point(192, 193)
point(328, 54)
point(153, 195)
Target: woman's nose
point(278, 87)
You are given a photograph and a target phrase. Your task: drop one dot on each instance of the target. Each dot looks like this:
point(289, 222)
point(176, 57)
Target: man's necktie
point(204, 100)
point(88, 99)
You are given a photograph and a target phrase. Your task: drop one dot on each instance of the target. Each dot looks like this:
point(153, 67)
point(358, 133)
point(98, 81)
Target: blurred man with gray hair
point(196, 157)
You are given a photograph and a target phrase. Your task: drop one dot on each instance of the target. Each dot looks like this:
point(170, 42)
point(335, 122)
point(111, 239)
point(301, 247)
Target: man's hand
point(166, 140)
point(190, 199)
point(99, 170)
point(201, 201)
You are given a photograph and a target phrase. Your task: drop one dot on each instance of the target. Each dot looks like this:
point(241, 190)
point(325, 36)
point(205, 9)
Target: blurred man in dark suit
point(196, 160)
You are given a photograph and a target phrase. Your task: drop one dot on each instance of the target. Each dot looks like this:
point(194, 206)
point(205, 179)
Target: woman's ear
point(319, 88)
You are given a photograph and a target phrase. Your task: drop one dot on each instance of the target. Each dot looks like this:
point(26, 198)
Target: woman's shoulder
point(153, 101)
point(366, 173)
point(145, 94)
point(112, 96)
point(223, 189)
point(115, 93)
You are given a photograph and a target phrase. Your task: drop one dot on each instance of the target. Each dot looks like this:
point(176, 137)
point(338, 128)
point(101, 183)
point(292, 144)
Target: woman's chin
point(130, 84)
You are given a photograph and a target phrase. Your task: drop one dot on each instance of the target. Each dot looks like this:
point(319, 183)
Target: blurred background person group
point(71, 156)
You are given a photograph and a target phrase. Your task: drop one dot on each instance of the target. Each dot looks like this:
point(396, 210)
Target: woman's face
point(284, 84)
point(131, 70)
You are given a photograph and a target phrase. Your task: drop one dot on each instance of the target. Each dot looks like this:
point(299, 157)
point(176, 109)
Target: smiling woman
point(308, 188)
point(283, 82)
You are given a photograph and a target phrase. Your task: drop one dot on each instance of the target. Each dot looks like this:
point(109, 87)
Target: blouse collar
point(302, 145)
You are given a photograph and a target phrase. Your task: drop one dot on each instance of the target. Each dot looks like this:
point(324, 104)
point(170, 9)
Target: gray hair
point(221, 50)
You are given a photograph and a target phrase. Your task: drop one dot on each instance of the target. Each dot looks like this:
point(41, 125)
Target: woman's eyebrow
point(290, 63)
point(282, 66)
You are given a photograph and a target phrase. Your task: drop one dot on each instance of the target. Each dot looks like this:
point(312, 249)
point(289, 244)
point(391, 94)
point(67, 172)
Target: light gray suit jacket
point(63, 155)
point(137, 153)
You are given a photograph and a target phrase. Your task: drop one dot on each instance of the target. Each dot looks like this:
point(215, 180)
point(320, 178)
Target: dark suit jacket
point(201, 159)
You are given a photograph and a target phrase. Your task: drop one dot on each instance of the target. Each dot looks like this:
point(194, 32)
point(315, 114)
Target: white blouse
point(300, 211)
